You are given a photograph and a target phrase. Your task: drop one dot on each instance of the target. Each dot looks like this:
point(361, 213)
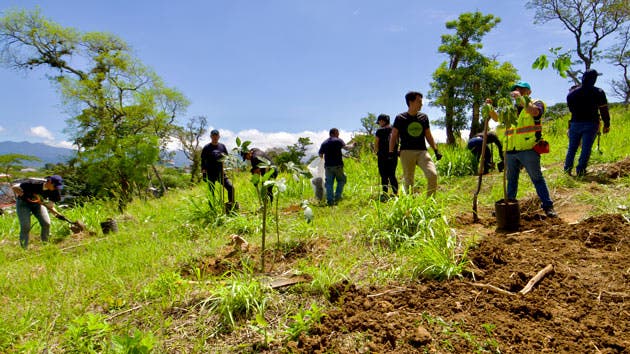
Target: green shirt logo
point(414, 129)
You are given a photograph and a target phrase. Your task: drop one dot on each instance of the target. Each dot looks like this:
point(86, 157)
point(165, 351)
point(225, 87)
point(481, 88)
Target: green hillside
point(172, 279)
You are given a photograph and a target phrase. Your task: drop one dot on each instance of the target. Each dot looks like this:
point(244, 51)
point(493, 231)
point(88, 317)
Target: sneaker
point(551, 213)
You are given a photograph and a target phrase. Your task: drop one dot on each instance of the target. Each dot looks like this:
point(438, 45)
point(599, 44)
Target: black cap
point(382, 117)
point(214, 132)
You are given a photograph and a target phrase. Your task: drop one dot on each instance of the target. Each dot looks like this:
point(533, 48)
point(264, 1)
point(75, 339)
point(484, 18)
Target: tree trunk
point(159, 178)
point(449, 117)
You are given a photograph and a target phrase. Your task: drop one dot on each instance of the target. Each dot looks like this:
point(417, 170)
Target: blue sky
point(271, 71)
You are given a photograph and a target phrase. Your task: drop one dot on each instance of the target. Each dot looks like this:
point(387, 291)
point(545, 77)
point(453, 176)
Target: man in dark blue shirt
point(330, 151)
point(586, 103)
point(212, 166)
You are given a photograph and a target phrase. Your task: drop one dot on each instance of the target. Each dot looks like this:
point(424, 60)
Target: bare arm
point(376, 142)
point(393, 140)
point(429, 137)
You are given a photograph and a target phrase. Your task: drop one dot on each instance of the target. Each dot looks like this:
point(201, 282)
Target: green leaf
point(541, 62)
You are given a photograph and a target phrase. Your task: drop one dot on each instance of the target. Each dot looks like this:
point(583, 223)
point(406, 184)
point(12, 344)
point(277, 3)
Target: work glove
point(501, 166)
point(391, 156)
point(438, 156)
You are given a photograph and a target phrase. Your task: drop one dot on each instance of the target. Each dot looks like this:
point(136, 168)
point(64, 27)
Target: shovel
point(75, 226)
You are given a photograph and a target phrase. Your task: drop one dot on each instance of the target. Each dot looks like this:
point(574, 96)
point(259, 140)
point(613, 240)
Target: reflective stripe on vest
point(523, 136)
point(524, 130)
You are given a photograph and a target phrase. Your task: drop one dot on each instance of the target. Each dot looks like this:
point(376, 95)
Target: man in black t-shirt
point(412, 128)
point(212, 166)
point(330, 151)
point(33, 197)
point(386, 165)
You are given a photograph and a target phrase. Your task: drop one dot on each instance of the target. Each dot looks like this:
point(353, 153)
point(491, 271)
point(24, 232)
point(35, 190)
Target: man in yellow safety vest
point(521, 140)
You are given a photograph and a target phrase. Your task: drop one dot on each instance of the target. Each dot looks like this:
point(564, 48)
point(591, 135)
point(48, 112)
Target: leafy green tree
point(122, 111)
point(461, 82)
point(368, 124)
point(293, 153)
point(189, 137)
point(590, 22)
point(9, 161)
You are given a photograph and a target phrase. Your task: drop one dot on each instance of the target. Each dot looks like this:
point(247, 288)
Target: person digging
point(36, 198)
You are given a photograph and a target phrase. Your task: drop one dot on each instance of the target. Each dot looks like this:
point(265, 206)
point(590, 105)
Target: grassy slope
point(43, 289)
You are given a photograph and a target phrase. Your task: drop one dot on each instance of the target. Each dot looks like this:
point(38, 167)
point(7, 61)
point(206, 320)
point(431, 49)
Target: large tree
point(122, 112)
point(619, 55)
point(460, 84)
point(189, 137)
point(589, 21)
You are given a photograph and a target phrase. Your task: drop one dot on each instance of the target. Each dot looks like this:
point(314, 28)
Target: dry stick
point(525, 290)
point(536, 279)
point(124, 312)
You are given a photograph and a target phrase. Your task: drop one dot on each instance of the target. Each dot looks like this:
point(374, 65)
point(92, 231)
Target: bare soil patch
point(582, 306)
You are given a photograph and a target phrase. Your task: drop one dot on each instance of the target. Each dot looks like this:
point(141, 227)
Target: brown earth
point(581, 307)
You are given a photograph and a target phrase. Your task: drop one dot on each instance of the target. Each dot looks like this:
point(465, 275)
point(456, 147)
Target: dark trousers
point(387, 170)
point(225, 182)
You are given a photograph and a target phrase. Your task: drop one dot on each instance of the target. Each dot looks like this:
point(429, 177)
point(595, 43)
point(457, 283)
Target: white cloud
point(268, 140)
point(62, 144)
point(1, 129)
point(41, 132)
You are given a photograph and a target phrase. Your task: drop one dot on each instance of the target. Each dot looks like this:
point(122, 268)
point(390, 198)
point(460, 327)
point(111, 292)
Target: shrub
point(456, 162)
point(88, 333)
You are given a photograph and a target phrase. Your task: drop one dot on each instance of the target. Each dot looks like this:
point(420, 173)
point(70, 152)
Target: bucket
point(109, 225)
point(508, 215)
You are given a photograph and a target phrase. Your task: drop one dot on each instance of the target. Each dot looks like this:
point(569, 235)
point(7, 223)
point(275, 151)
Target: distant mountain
point(51, 154)
point(47, 153)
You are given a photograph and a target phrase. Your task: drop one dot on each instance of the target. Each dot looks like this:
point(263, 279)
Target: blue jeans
point(24, 211)
point(586, 132)
point(334, 173)
point(531, 161)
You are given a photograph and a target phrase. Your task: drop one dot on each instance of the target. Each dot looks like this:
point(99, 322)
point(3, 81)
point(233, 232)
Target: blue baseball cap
point(522, 84)
point(56, 180)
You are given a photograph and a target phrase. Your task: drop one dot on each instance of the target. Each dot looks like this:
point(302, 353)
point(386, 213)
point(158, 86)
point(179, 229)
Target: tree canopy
point(462, 83)
point(9, 161)
point(122, 112)
point(589, 22)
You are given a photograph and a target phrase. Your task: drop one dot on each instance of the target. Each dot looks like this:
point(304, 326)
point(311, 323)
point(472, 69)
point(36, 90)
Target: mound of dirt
point(582, 306)
point(619, 169)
